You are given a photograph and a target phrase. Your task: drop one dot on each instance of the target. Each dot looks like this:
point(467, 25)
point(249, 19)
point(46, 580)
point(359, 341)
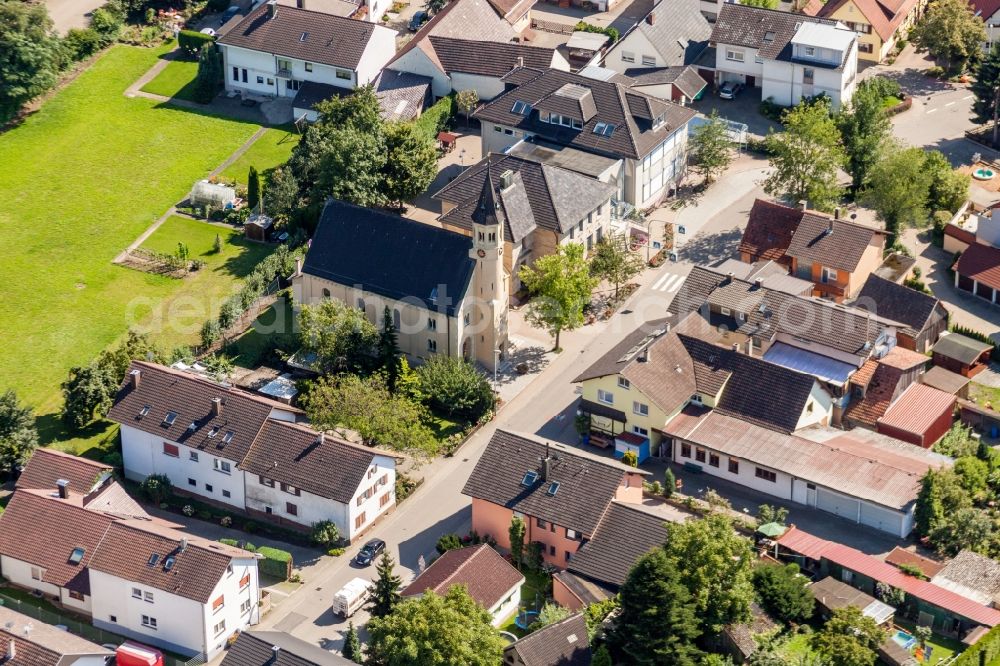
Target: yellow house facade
point(879, 24)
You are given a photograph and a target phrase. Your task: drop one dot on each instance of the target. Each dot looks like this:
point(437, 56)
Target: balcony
point(283, 73)
point(830, 290)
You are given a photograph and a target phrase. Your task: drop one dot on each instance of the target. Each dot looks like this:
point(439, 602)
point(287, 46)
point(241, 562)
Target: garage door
point(880, 518)
point(837, 504)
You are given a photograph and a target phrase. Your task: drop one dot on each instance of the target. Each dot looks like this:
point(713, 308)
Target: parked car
point(351, 597)
point(730, 89)
point(208, 31)
point(369, 552)
point(418, 20)
point(228, 14)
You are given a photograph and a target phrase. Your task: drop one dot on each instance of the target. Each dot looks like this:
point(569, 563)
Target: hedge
point(191, 41)
point(436, 118)
point(984, 652)
point(613, 33)
point(276, 563)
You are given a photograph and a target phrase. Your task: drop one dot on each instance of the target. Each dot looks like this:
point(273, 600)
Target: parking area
point(744, 109)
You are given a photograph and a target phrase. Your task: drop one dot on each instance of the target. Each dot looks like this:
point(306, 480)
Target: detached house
point(560, 492)
point(787, 56)
point(246, 452)
point(604, 118)
point(880, 24)
point(93, 550)
point(279, 51)
point(24, 641)
point(447, 292)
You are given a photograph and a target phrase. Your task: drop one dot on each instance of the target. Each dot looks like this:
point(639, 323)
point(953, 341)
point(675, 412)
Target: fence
point(553, 26)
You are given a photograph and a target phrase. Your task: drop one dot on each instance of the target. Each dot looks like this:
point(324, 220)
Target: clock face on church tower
point(481, 253)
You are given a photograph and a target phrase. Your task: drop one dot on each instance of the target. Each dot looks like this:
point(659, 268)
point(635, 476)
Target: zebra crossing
point(668, 282)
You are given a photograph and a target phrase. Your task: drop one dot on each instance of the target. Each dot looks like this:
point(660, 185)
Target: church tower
point(491, 285)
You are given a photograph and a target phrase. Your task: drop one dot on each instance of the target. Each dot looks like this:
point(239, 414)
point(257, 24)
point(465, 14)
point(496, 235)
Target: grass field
point(270, 150)
point(177, 80)
point(79, 180)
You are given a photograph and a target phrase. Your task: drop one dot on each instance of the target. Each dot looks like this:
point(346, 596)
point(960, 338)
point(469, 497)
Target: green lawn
point(270, 150)
point(941, 648)
point(891, 101)
point(79, 180)
point(272, 330)
point(797, 649)
point(177, 80)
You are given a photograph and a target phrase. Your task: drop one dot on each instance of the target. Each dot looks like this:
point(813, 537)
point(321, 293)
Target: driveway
point(68, 14)
point(744, 109)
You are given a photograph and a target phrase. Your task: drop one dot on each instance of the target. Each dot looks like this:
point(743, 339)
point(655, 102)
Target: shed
point(831, 594)
point(979, 417)
point(584, 47)
point(740, 640)
point(947, 381)
point(630, 441)
point(921, 416)
point(257, 227)
point(212, 195)
point(961, 354)
point(282, 389)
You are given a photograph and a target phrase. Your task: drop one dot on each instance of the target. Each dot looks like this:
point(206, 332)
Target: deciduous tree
point(411, 162)
point(711, 146)
point(455, 387)
point(986, 88)
point(385, 593)
point(613, 261)
point(342, 337)
point(949, 188)
point(30, 54)
point(806, 157)
point(865, 128)
point(466, 100)
point(898, 189)
point(784, 592)
point(849, 638)
point(560, 285)
point(18, 435)
point(951, 33)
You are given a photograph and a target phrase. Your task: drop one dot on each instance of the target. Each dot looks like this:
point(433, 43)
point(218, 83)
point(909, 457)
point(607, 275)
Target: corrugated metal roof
point(826, 368)
point(815, 548)
point(918, 408)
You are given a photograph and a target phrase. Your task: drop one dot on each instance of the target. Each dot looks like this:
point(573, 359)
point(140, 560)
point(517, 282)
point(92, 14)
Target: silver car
point(730, 89)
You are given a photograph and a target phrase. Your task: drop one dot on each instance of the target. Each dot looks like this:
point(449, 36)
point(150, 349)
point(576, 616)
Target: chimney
point(272, 8)
point(301, 4)
point(62, 486)
point(184, 544)
point(216, 407)
point(758, 283)
point(11, 650)
point(736, 347)
point(836, 213)
point(650, 18)
point(275, 651)
point(520, 61)
point(135, 376)
point(750, 347)
point(546, 464)
point(803, 204)
point(298, 266)
point(829, 226)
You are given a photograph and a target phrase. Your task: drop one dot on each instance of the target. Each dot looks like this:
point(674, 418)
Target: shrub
point(935, 72)
point(783, 591)
point(404, 486)
point(448, 542)
point(335, 552)
point(276, 563)
point(456, 388)
point(191, 41)
point(203, 514)
point(226, 521)
point(911, 570)
point(772, 110)
point(210, 332)
point(157, 488)
point(630, 458)
point(325, 533)
point(82, 43)
point(583, 26)
point(106, 24)
point(436, 118)
point(188, 510)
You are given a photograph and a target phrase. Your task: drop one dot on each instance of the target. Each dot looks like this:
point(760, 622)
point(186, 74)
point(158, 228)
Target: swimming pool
point(904, 639)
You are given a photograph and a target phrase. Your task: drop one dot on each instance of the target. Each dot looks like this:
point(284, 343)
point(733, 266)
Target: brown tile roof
point(563, 643)
point(587, 483)
point(904, 359)
point(929, 567)
point(512, 9)
point(256, 648)
point(881, 391)
point(329, 40)
point(884, 17)
point(769, 230)
point(493, 59)
point(190, 397)
point(864, 375)
point(48, 466)
point(454, 21)
point(629, 111)
point(684, 77)
point(834, 243)
point(198, 567)
point(981, 263)
point(41, 644)
point(484, 572)
point(625, 534)
point(768, 30)
point(975, 575)
point(43, 531)
point(898, 302)
point(293, 454)
point(27, 653)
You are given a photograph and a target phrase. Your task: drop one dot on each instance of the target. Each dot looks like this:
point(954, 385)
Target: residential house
point(660, 51)
point(924, 317)
point(977, 271)
point(24, 641)
point(48, 467)
point(559, 491)
point(542, 207)
point(278, 51)
point(602, 117)
point(769, 231)
point(787, 56)
point(598, 570)
point(99, 554)
point(489, 579)
point(989, 12)
point(565, 643)
point(973, 576)
point(642, 383)
point(457, 58)
point(277, 648)
point(448, 293)
point(880, 24)
point(925, 602)
point(961, 354)
point(861, 481)
point(246, 453)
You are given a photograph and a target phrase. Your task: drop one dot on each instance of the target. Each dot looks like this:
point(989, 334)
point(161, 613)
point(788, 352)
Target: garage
point(837, 504)
point(881, 518)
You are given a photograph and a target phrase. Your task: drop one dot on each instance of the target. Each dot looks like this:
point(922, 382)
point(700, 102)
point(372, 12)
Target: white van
point(351, 597)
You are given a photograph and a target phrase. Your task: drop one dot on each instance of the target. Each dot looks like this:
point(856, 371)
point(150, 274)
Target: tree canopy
point(849, 638)
point(865, 128)
point(613, 261)
point(711, 147)
point(18, 435)
point(986, 88)
point(342, 337)
point(385, 593)
point(784, 592)
point(899, 187)
point(30, 54)
point(951, 33)
point(455, 387)
point(560, 285)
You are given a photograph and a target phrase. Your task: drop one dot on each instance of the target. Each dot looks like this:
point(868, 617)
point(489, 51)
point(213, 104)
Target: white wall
point(372, 508)
point(18, 572)
point(636, 44)
point(822, 408)
point(378, 52)
point(416, 61)
point(142, 455)
point(487, 87)
point(310, 508)
point(508, 604)
point(731, 70)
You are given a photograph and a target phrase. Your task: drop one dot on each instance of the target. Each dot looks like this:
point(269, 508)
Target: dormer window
point(604, 129)
point(521, 108)
point(565, 121)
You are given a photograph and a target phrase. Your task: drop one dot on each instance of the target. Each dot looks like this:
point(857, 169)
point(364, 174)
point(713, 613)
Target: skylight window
point(604, 129)
point(145, 410)
point(228, 437)
point(521, 108)
point(153, 559)
point(168, 563)
point(768, 37)
point(169, 419)
point(76, 556)
point(213, 432)
point(304, 36)
point(192, 426)
point(529, 479)
point(553, 489)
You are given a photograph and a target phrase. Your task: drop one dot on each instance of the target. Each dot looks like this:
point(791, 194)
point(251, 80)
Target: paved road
point(68, 14)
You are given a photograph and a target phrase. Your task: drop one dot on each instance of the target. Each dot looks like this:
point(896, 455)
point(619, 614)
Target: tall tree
point(411, 162)
point(30, 54)
point(865, 127)
point(388, 348)
point(601, 657)
point(516, 533)
point(898, 188)
point(849, 638)
point(711, 146)
point(613, 261)
point(952, 33)
point(658, 622)
point(253, 188)
point(806, 157)
point(717, 568)
point(466, 100)
point(455, 387)
point(342, 337)
point(560, 285)
point(784, 592)
point(385, 593)
point(352, 168)
point(18, 435)
point(433, 629)
point(282, 192)
point(209, 77)
point(352, 646)
point(86, 394)
point(986, 88)
point(949, 189)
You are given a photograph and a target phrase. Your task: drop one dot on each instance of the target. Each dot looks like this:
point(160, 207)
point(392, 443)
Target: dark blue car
point(369, 552)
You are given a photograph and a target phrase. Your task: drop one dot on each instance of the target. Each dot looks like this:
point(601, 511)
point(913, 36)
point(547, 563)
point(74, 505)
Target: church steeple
point(488, 212)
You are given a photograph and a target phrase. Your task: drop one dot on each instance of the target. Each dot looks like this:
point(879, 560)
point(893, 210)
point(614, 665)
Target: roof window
point(228, 437)
point(145, 410)
point(553, 489)
point(169, 419)
point(168, 563)
point(529, 478)
point(521, 108)
point(153, 559)
point(304, 36)
point(213, 432)
point(768, 37)
point(604, 129)
point(76, 556)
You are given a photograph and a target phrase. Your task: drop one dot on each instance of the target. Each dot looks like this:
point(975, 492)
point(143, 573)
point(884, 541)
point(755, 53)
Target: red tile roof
point(885, 16)
point(918, 409)
point(769, 230)
point(488, 577)
point(815, 548)
point(878, 397)
point(982, 263)
point(904, 359)
point(48, 466)
point(929, 567)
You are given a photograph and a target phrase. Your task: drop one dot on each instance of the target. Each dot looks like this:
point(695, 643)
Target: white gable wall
point(636, 45)
point(380, 49)
point(416, 61)
point(819, 409)
point(380, 485)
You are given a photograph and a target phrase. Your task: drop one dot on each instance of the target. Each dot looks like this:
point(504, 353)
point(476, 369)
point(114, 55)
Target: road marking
point(669, 283)
point(968, 97)
point(949, 103)
point(931, 110)
point(658, 283)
